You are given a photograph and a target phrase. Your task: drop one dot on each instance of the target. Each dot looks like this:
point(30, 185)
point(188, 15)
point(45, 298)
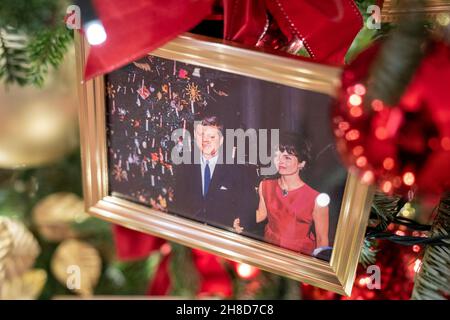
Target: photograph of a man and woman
point(245, 155)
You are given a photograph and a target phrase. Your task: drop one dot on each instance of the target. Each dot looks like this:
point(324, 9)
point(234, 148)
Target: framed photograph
point(227, 149)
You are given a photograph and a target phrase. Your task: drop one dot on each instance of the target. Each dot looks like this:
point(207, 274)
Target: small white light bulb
point(95, 32)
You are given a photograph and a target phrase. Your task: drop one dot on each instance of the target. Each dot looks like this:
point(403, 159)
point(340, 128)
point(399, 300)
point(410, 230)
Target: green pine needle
point(384, 209)
point(46, 49)
point(368, 253)
point(433, 280)
point(33, 38)
point(31, 15)
point(185, 278)
point(399, 57)
point(13, 57)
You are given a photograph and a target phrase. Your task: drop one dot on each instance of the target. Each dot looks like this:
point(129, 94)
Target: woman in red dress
point(297, 214)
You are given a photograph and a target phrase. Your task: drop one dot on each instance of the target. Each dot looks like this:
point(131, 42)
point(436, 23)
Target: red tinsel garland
point(403, 147)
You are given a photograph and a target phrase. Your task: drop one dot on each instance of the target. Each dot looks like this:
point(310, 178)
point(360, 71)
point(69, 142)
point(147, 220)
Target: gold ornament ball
point(25, 287)
point(77, 265)
point(39, 125)
point(54, 215)
point(6, 242)
point(18, 249)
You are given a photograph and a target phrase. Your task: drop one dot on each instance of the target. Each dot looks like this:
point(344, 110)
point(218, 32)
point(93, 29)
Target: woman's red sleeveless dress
point(290, 216)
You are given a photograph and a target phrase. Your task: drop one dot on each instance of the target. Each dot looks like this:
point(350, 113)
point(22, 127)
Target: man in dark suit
point(212, 192)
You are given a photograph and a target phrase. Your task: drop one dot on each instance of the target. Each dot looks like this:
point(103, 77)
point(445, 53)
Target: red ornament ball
point(399, 148)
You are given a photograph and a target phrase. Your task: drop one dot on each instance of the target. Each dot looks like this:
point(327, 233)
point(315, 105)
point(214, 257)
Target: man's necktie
point(207, 179)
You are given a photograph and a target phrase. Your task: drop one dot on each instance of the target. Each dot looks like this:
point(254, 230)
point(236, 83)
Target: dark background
point(239, 101)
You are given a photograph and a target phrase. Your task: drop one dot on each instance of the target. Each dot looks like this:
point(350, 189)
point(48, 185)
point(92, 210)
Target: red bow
point(133, 245)
point(137, 27)
point(326, 27)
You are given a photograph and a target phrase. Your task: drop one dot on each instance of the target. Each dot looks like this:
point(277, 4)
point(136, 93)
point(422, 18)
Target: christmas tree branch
point(47, 48)
point(396, 63)
point(369, 252)
point(33, 37)
point(13, 56)
point(399, 57)
point(383, 212)
point(433, 280)
point(184, 283)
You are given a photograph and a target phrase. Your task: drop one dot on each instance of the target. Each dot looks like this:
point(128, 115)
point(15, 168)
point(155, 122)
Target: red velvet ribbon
point(137, 27)
point(160, 284)
point(134, 245)
point(326, 27)
point(215, 280)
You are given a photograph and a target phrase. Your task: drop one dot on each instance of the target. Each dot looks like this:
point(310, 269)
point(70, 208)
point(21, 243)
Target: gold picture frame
point(394, 10)
point(338, 275)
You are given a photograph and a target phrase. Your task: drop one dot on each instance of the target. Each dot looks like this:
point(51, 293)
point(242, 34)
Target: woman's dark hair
point(295, 145)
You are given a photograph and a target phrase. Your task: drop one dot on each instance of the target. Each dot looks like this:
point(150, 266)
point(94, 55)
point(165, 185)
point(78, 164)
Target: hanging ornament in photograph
point(193, 92)
point(143, 91)
point(196, 72)
point(182, 74)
